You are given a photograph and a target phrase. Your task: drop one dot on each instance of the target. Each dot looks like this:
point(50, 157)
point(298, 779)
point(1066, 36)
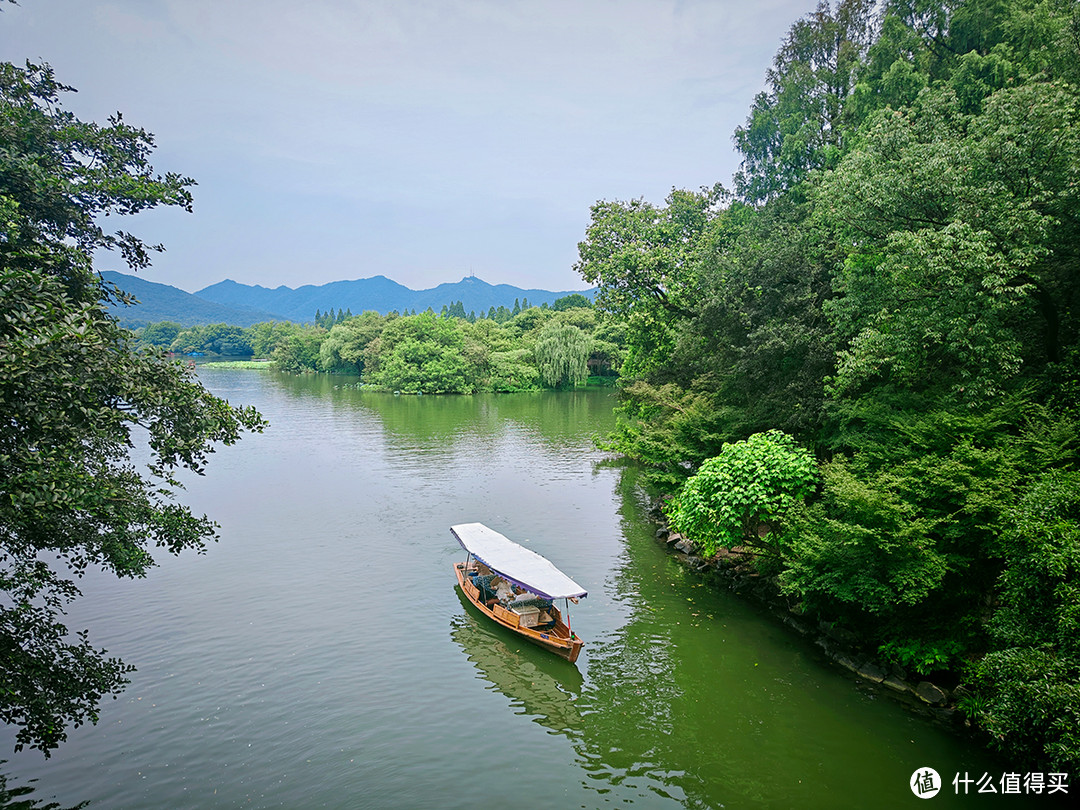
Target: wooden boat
point(516, 587)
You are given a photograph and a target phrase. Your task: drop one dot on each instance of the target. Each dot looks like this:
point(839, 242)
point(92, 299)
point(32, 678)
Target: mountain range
point(243, 304)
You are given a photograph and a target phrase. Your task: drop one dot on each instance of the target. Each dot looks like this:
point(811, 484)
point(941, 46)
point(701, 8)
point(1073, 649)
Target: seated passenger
point(526, 599)
point(484, 585)
point(503, 590)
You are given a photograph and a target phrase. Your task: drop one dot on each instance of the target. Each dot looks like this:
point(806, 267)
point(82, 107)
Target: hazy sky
point(422, 140)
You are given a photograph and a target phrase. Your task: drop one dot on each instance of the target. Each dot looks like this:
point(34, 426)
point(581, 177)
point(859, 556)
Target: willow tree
point(562, 355)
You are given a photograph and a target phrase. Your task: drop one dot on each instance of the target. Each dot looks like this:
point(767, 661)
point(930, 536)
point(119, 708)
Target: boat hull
point(558, 639)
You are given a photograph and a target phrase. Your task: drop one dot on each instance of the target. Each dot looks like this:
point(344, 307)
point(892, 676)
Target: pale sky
point(423, 140)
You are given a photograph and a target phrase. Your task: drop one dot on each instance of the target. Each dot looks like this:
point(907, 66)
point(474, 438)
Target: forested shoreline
point(861, 366)
point(524, 349)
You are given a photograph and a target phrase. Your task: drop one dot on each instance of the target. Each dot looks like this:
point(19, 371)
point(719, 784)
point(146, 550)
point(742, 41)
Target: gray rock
point(847, 663)
point(872, 672)
point(896, 684)
point(795, 625)
point(928, 693)
point(685, 546)
point(948, 716)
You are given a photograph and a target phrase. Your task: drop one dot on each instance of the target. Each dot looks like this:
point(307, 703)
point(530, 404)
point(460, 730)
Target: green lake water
point(319, 655)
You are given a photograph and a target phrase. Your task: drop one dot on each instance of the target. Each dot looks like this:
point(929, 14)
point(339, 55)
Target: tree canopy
point(74, 393)
point(893, 285)
point(745, 495)
point(553, 347)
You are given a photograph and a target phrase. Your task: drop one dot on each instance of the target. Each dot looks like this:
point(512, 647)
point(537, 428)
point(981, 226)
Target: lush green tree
point(864, 545)
point(608, 348)
point(669, 430)
point(1027, 689)
point(745, 495)
point(967, 232)
point(343, 348)
point(754, 358)
point(298, 352)
point(584, 318)
point(159, 334)
point(936, 35)
point(74, 394)
point(645, 261)
point(421, 353)
point(562, 355)
point(265, 337)
point(531, 320)
point(762, 345)
point(497, 337)
point(572, 301)
point(217, 338)
point(511, 371)
point(801, 122)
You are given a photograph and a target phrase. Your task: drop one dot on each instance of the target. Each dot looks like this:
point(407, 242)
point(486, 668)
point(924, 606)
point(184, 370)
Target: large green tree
point(1028, 686)
point(420, 354)
point(966, 237)
point(562, 354)
point(645, 260)
point(343, 349)
point(801, 122)
point(74, 394)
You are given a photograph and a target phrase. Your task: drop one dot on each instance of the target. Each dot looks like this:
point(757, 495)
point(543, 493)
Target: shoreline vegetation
point(564, 345)
point(858, 371)
point(259, 365)
point(735, 570)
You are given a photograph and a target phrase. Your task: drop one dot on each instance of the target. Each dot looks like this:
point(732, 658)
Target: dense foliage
point(534, 347)
point(894, 286)
point(745, 495)
point(75, 391)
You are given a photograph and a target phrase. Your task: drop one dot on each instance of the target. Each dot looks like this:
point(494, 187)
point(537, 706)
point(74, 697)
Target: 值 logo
point(925, 783)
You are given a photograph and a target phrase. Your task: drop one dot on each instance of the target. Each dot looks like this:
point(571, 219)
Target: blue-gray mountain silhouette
point(243, 304)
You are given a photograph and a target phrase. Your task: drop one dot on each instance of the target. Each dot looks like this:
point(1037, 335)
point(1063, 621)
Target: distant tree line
point(891, 292)
point(523, 349)
point(456, 309)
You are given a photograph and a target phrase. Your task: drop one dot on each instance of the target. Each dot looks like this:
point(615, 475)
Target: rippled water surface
point(319, 655)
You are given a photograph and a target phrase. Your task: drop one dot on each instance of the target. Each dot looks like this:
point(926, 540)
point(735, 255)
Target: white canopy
point(517, 563)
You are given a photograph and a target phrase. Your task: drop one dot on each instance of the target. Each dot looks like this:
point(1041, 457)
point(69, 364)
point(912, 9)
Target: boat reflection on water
point(538, 684)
